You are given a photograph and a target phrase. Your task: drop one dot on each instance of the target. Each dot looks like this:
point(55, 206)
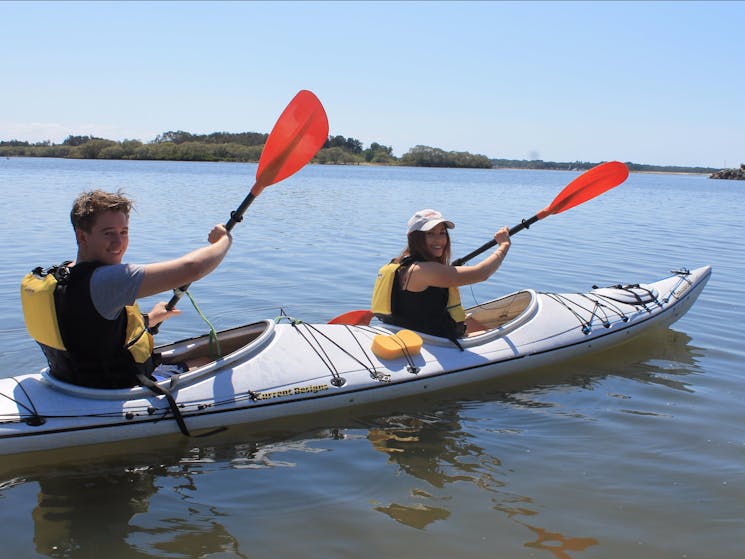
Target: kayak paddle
point(353, 318)
point(298, 134)
point(588, 185)
point(585, 187)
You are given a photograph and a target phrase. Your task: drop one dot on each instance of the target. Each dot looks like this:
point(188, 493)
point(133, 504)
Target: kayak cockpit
point(501, 316)
point(199, 357)
point(197, 352)
point(498, 318)
point(502, 313)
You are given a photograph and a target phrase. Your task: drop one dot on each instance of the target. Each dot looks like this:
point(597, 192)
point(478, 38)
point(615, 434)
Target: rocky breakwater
point(734, 174)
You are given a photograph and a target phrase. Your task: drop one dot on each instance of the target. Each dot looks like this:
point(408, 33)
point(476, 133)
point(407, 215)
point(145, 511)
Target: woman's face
point(437, 240)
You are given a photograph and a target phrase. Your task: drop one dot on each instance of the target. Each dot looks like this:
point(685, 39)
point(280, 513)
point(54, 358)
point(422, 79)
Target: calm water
point(639, 451)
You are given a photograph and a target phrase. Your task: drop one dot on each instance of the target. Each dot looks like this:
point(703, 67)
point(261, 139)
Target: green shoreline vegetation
point(246, 147)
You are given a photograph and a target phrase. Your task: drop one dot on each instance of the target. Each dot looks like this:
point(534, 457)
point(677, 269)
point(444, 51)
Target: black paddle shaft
point(236, 216)
point(524, 224)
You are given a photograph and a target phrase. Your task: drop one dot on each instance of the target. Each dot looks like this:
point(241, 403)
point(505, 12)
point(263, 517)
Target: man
point(84, 315)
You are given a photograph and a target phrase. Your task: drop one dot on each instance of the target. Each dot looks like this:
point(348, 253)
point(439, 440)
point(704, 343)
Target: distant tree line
point(584, 165)
point(540, 164)
point(225, 146)
point(425, 156)
point(667, 169)
point(247, 146)
point(173, 146)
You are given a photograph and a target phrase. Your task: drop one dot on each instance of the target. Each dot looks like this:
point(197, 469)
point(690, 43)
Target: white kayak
point(285, 367)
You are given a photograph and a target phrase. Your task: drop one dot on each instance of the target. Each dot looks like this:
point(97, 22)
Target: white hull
point(279, 370)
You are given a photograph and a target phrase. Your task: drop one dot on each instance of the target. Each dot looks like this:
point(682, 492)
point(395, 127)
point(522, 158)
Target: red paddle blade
point(354, 318)
point(588, 185)
point(299, 133)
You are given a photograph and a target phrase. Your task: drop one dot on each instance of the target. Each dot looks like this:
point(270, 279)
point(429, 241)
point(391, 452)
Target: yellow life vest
point(39, 309)
point(40, 315)
point(381, 305)
point(140, 342)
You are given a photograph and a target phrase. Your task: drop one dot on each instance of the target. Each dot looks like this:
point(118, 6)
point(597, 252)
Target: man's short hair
point(89, 205)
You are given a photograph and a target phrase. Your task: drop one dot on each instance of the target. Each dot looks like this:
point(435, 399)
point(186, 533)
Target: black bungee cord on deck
point(314, 334)
point(35, 419)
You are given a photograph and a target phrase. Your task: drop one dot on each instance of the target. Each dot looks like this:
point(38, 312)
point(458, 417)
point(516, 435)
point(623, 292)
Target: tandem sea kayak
point(285, 367)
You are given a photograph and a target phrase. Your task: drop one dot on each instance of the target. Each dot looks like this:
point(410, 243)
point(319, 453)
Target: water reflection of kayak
point(273, 369)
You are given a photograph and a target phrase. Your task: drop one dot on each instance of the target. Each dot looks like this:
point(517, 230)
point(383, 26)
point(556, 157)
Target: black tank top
point(423, 311)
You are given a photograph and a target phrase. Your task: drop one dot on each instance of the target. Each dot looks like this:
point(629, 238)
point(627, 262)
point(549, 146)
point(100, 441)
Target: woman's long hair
point(417, 248)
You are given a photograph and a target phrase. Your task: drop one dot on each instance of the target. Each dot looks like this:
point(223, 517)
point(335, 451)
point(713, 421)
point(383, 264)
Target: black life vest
point(436, 310)
point(80, 345)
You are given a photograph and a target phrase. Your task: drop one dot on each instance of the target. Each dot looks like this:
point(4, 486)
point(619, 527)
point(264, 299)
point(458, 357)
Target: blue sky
point(648, 82)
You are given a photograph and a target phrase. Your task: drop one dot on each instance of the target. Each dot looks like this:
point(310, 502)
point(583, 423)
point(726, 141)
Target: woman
point(419, 289)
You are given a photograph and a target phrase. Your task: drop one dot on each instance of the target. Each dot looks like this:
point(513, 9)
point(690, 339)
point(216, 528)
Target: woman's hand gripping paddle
point(299, 133)
point(588, 185)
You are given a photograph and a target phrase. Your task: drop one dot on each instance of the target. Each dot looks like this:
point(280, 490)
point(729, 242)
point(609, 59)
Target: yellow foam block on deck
point(391, 346)
point(412, 340)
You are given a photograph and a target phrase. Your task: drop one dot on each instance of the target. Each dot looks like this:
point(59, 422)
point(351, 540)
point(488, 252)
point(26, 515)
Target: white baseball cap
point(425, 220)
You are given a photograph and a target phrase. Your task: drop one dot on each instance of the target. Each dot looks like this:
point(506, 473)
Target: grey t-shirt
point(115, 286)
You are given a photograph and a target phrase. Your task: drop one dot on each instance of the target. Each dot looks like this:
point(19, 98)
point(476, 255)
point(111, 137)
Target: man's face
point(108, 239)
